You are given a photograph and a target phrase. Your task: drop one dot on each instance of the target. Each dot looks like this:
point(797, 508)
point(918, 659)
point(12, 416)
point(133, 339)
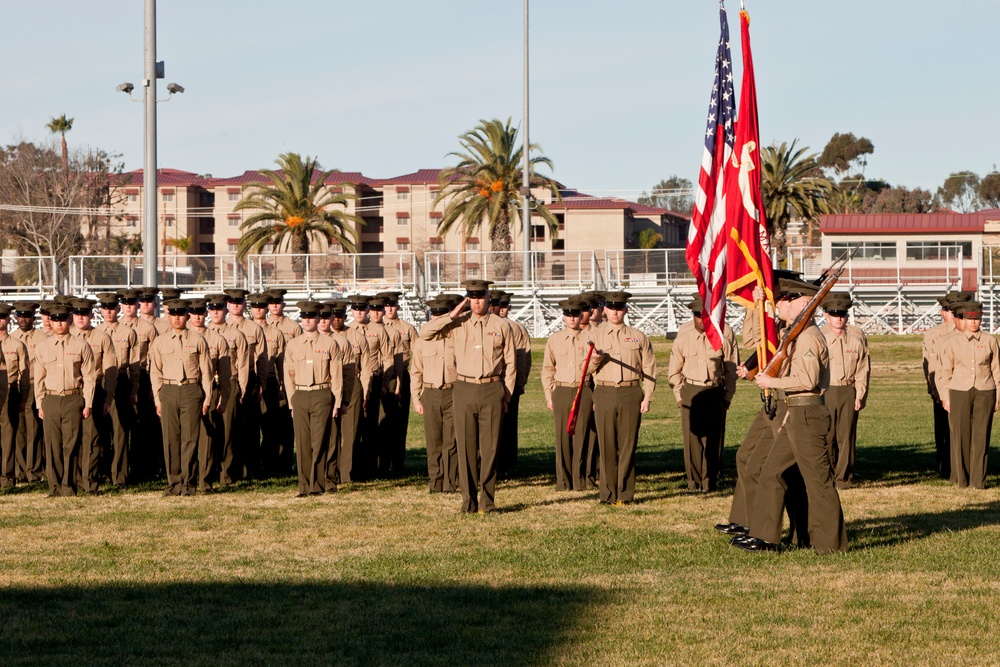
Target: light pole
point(152, 70)
point(525, 179)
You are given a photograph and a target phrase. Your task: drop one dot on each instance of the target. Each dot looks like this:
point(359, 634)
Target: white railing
point(202, 273)
point(549, 270)
point(28, 276)
point(646, 270)
point(807, 260)
point(335, 273)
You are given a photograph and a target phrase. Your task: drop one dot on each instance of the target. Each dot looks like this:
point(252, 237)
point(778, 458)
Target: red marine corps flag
point(748, 261)
point(706, 244)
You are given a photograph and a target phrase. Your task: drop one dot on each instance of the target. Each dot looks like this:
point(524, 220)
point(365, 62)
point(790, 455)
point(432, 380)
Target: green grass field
point(385, 574)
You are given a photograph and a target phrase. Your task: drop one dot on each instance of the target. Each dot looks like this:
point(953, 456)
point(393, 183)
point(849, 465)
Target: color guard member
point(15, 376)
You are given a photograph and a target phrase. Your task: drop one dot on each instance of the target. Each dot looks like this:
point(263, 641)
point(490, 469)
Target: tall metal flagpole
point(149, 232)
point(525, 180)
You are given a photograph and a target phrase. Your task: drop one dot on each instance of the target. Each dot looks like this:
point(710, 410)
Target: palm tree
point(61, 126)
point(791, 186)
point(486, 186)
point(291, 210)
point(647, 239)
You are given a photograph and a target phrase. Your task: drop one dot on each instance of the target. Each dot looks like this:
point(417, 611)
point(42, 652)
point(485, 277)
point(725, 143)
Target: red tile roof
point(903, 223)
point(419, 177)
point(164, 177)
point(254, 176)
point(573, 199)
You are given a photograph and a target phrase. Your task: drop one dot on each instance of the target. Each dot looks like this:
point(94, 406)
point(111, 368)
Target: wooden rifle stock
point(575, 410)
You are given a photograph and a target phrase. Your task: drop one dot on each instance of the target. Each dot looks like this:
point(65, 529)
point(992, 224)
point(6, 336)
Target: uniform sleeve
point(337, 376)
point(549, 369)
point(509, 365)
point(944, 370)
point(675, 368)
point(648, 370)
point(863, 374)
point(89, 371)
point(751, 329)
point(279, 361)
point(931, 361)
point(38, 377)
point(365, 358)
point(225, 369)
point(205, 365)
point(288, 372)
point(388, 350)
point(995, 362)
point(242, 361)
point(439, 328)
point(134, 360)
point(24, 369)
point(416, 371)
point(523, 356)
point(156, 369)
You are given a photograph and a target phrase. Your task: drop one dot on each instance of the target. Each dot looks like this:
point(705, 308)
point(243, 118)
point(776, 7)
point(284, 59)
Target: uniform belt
point(565, 384)
point(312, 387)
point(845, 383)
point(446, 385)
point(492, 378)
point(714, 383)
point(800, 401)
point(623, 383)
point(68, 392)
point(185, 381)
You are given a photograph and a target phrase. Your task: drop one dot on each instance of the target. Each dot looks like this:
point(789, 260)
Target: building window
point(436, 243)
point(403, 246)
point(233, 196)
point(130, 221)
point(922, 250)
point(472, 246)
point(133, 197)
point(171, 249)
point(170, 222)
point(403, 220)
point(561, 221)
point(206, 226)
point(868, 249)
point(472, 271)
point(231, 247)
point(402, 194)
point(558, 244)
point(538, 232)
point(168, 196)
point(234, 222)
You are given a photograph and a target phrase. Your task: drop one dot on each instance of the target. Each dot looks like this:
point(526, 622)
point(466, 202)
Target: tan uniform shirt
point(314, 359)
point(177, 356)
point(693, 360)
point(850, 364)
point(64, 363)
point(274, 353)
point(404, 345)
point(379, 346)
point(221, 361)
point(357, 352)
point(562, 363)
point(432, 364)
point(808, 370)
point(161, 324)
point(484, 346)
point(31, 340)
point(968, 360)
point(239, 352)
point(255, 341)
point(522, 352)
point(288, 328)
point(105, 359)
point(931, 354)
point(16, 362)
point(146, 333)
point(126, 344)
point(628, 356)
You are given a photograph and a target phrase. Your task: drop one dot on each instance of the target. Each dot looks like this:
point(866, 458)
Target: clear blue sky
point(619, 88)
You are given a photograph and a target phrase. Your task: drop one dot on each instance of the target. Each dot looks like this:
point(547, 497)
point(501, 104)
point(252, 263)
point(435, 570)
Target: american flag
point(706, 244)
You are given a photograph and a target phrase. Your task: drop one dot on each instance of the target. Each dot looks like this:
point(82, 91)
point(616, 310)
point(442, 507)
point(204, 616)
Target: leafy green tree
point(845, 152)
point(647, 239)
point(674, 194)
point(485, 186)
point(898, 200)
point(792, 186)
point(292, 209)
point(989, 190)
point(960, 192)
point(61, 126)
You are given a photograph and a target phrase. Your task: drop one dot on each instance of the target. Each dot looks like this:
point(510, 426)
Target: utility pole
point(525, 178)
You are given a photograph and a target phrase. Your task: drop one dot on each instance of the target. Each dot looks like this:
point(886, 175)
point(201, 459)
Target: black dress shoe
point(754, 544)
point(731, 528)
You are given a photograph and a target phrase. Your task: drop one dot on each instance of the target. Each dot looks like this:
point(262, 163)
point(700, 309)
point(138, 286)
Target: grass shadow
point(894, 530)
point(361, 623)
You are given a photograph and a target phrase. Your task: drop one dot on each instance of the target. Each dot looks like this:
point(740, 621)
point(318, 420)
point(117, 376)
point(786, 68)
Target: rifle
point(798, 325)
point(571, 422)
